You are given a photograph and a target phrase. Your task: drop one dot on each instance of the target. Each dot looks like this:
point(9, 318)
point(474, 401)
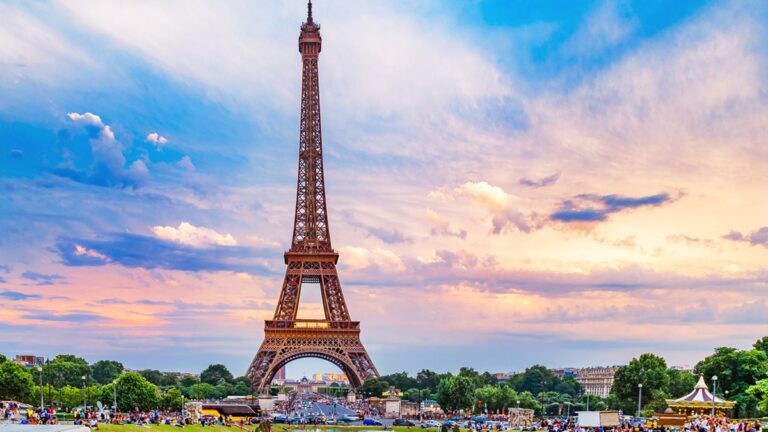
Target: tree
point(400, 380)
point(456, 393)
point(427, 379)
point(214, 373)
point(736, 371)
point(374, 387)
point(153, 376)
point(527, 400)
point(759, 391)
point(67, 369)
point(762, 344)
point(222, 389)
point(169, 380)
point(567, 385)
point(134, 391)
point(106, 371)
point(648, 369)
point(171, 400)
point(535, 379)
point(477, 378)
point(496, 398)
point(241, 389)
point(106, 394)
point(201, 391)
point(71, 397)
point(680, 382)
point(188, 381)
point(15, 381)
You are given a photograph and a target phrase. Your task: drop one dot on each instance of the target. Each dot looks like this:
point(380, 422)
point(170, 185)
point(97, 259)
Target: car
point(279, 419)
point(348, 419)
point(450, 423)
point(372, 422)
point(431, 424)
point(403, 422)
point(330, 421)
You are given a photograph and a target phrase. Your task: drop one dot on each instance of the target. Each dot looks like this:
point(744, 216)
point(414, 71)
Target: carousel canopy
point(699, 396)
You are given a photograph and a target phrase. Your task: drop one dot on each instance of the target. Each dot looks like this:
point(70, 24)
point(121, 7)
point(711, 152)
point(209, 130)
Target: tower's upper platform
point(309, 39)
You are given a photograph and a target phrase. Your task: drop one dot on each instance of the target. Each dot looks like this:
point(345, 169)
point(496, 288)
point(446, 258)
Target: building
point(503, 377)
point(280, 375)
point(596, 380)
point(29, 360)
point(331, 377)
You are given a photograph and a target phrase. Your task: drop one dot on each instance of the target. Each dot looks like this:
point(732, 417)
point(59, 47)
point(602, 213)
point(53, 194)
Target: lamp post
point(639, 398)
point(183, 419)
point(114, 395)
point(42, 402)
point(587, 401)
point(85, 400)
point(714, 394)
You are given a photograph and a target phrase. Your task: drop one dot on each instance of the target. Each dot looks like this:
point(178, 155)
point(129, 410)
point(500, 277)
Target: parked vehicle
point(372, 422)
point(431, 424)
point(403, 422)
point(348, 419)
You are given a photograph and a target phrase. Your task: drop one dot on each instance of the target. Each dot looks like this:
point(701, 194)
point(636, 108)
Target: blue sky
point(521, 182)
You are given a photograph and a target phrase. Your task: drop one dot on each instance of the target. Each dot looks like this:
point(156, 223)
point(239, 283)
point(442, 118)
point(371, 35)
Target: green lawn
point(275, 428)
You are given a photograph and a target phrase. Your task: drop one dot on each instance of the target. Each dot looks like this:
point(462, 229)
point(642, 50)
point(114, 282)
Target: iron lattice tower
point(311, 259)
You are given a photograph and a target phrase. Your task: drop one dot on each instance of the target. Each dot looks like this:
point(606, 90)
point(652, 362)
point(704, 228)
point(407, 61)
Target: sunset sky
point(570, 183)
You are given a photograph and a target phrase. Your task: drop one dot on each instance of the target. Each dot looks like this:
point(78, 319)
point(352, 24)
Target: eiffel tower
point(311, 259)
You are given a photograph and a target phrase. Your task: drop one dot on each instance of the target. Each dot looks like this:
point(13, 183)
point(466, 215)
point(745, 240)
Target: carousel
point(699, 402)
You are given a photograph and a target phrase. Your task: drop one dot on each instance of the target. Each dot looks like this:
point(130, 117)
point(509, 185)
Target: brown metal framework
point(311, 259)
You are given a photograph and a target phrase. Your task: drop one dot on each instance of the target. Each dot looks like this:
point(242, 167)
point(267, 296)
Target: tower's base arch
point(336, 342)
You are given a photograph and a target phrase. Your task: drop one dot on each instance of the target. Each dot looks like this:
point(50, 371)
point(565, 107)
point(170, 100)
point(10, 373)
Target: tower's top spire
point(309, 39)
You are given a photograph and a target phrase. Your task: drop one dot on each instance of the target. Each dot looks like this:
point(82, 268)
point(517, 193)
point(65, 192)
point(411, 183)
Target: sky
point(508, 182)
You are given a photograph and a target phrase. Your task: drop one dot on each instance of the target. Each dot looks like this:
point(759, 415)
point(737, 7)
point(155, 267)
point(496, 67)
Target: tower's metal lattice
point(311, 257)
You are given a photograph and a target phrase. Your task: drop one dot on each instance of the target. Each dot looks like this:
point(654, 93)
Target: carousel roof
point(699, 395)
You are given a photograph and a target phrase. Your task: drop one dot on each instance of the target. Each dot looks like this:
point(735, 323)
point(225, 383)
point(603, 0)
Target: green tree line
point(742, 373)
point(69, 381)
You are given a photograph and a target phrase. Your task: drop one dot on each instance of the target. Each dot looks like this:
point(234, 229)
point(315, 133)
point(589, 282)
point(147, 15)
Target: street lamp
point(114, 395)
point(639, 398)
point(714, 394)
point(85, 400)
point(42, 403)
point(587, 401)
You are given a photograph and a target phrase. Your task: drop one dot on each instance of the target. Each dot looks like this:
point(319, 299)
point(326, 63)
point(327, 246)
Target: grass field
point(275, 428)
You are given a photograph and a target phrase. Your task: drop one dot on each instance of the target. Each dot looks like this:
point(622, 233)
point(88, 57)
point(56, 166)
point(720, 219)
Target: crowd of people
point(722, 424)
point(13, 411)
point(695, 424)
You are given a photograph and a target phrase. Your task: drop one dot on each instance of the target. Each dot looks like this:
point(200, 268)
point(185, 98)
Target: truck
point(597, 418)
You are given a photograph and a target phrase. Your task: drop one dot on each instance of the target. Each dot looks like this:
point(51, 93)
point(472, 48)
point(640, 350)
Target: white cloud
point(191, 235)
point(247, 56)
point(157, 139)
point(362, 258)
point(108, 167)
point(442, 226)
point(186, 163)
point(500, 204)
point(606, 27)
point(28, 42)
point(83, 251)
